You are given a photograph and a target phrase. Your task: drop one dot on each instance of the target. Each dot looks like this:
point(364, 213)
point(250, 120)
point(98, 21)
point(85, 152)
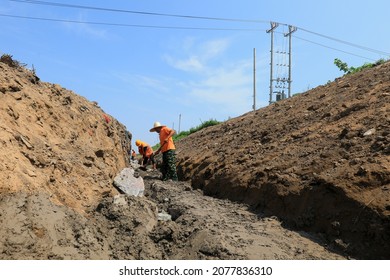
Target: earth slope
point(319, 160)
point(56, 142)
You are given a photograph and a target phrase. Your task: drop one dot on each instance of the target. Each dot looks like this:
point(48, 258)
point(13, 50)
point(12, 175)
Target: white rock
point(120, 200)
point(163, 216)
point(369, 132)
point(129, 184)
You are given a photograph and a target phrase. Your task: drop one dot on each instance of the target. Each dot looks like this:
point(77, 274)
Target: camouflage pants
point(168, 168)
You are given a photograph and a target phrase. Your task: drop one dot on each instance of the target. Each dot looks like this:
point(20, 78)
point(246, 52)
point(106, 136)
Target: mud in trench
point(172, 221)
point(203, 227)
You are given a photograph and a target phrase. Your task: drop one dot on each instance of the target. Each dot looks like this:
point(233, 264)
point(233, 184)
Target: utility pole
point(274, 25)
point(281, 81)
point(254, 79)
point(291, 29)
point(179, 122)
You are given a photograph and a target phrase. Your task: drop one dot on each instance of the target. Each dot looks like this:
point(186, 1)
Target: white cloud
point(208, 78)
point(190, 64)
point(85, 28)
point(227, 88)
point(214, 48)
point(229, 76)
point(226, 101)
point(197, 56)
point(211, 77)
point(144, 83)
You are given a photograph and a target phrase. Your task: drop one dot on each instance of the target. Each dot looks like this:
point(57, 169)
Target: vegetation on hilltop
point(343, 66)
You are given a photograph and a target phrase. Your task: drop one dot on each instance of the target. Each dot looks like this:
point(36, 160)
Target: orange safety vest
point(142, 151)
point(163, 135)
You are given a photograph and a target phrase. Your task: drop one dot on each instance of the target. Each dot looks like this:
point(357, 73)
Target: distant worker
point(133, 154)
point(147, 153)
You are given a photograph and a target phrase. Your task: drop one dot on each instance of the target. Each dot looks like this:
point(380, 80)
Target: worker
point(167, 148)
point(133, 154)
point(147, 153)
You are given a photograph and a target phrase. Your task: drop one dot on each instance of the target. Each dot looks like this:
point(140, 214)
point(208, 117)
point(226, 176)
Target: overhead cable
point(345, 42)
point(135, 12)
point(167, 27)
point(63, 5)
point(333, 48)
point(129, 25)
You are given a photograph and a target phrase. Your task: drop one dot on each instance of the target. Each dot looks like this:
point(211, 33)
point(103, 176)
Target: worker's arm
point(171, 133)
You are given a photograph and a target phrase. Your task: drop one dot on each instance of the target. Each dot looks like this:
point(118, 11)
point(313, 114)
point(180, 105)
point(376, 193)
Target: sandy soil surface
point(305, 178)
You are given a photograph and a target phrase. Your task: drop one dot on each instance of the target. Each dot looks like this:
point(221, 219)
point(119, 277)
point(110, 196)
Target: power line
point(129, 25)
point(169, 27)
point(345, 42)
point(62, 5)
point(333, 48)
point(135, 12)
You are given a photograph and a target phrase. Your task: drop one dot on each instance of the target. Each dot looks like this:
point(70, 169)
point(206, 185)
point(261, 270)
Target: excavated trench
point(347, 225)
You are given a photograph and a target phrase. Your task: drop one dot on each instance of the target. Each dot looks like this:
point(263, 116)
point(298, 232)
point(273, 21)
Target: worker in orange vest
point(133, 154)
point(167, 148)
point(147, 153)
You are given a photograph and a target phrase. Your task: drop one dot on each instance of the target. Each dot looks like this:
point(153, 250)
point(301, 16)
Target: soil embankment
point(55, 141)
point(320, 161)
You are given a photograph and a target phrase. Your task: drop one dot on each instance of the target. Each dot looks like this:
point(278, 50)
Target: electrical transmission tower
point(280, 79)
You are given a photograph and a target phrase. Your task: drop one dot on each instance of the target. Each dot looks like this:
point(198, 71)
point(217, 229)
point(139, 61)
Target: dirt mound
point(33, 227)
point(320, 161)
point(56, 142)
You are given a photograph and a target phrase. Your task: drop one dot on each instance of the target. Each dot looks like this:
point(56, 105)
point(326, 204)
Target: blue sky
point(141, 75)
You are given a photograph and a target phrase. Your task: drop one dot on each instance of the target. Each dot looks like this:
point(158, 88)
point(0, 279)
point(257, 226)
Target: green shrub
point(350, 70)
point(205, 124)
